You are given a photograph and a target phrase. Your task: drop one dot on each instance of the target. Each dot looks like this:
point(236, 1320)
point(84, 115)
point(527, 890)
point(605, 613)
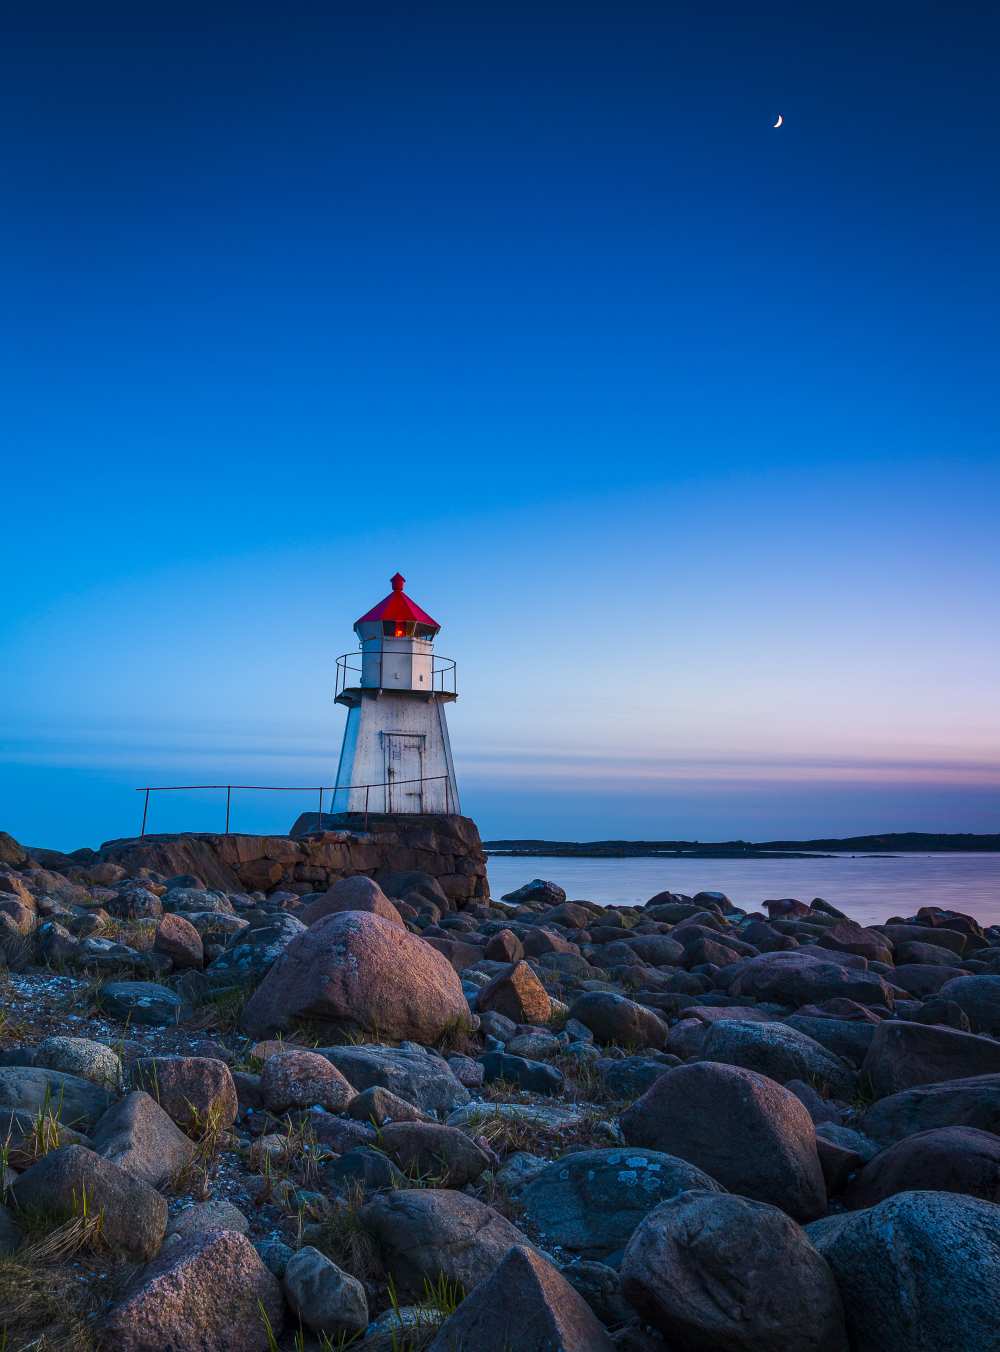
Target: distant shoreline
point(885, 846)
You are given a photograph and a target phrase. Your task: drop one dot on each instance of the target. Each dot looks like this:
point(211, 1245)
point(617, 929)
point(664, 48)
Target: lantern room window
point(407, 629)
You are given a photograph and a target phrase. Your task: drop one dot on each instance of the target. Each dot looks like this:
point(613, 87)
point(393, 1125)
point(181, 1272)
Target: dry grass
point(47, 1300)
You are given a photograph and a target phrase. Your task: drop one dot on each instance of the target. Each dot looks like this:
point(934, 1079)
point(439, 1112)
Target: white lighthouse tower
point(396, 755)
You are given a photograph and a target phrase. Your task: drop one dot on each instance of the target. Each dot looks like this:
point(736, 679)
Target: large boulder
point(525, 1304)
point(133, 1215)
point(357, 971)
point(426, 1233)
point(717, 1273)
point(76, 1102)
point(978, 997)
point(613, 1018)
point(359, 893)
point(917, 1273)
point(745, 1130)
point(945, 1159)
point(588, 1203)
point(208, 1293)
point(781, 1052)
point(138, 1136)
point(797, 978)
point(906, 1054)
point(416, 1075)
point(973, 1102)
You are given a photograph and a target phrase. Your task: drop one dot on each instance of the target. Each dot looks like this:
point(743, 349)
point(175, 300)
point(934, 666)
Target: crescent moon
point(779, 121)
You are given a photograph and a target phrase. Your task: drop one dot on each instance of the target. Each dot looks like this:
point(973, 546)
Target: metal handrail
point(289, 788)
point(443, 672)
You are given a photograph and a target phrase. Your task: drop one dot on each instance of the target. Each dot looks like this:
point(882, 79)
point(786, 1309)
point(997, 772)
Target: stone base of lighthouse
point(396, 755)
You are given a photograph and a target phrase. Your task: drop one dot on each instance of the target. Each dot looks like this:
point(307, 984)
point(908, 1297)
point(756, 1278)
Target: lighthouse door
point(404, 769)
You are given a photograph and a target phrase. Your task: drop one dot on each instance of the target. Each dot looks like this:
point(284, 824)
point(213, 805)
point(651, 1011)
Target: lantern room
point(396, 754)
point(397, 652)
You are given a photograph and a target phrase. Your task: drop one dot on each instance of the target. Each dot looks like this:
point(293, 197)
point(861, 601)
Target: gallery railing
point(443, 680)
point(386, 785)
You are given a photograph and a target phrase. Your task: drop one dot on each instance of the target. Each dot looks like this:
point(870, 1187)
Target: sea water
point(868, 889)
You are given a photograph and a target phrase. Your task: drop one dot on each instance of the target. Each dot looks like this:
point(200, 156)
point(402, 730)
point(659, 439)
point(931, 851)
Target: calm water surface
point(869, 890)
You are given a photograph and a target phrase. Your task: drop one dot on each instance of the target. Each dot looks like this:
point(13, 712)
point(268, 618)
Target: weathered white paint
point(396, 736)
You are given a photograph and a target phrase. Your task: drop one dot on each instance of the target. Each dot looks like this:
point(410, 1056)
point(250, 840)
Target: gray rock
point(428, 1232)
point(429, 1150)
point(973, 1102)
point(978, 997)
point(796, 978)
point(141, 1002)
point(252, 955)
point(74, 1101)
point(614, 1019)
point(274, 1254)
point(203, 1217)
point(717, 1273)
point(945, 1159)
point(917, 1273)
point(781, 1052)
point(418, 1076)
point(630, 1077)
point(326, 1299)
point(590, 1202)
point(80, 1056)
point(134, 1215)
point(525, 1304)
point(138, 1136)
point(549, 894)
point(903, 1055)
point(847, 1038)
point(519, 1169)
point(537, 1077)
point(847, 1139)
point(745, 1130)
point(195, 899)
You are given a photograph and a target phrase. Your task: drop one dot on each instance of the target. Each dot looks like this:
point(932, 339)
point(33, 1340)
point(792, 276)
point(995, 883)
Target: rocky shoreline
point(336, 1114)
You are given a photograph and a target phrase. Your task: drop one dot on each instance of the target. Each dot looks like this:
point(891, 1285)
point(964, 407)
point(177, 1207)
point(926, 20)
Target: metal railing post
point(320, 822)
point(145, 810)
point(367, 787)
point(229, 794)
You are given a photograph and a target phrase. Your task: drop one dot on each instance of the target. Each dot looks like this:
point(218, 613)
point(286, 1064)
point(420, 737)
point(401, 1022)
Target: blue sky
point(685, 428)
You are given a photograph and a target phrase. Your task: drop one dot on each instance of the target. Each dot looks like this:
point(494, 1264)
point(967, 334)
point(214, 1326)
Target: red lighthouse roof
point(398, 608)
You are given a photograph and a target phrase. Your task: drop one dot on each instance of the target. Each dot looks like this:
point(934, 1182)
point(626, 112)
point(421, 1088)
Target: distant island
point(897, 842)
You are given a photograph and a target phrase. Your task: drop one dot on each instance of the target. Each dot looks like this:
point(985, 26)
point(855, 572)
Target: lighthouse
point(396, 754)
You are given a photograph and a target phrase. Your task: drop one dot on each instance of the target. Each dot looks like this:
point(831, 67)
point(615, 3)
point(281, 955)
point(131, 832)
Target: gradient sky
point(685, 428)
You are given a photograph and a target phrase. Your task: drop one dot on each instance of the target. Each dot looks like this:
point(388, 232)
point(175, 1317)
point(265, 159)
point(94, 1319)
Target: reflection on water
point(867, 889)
